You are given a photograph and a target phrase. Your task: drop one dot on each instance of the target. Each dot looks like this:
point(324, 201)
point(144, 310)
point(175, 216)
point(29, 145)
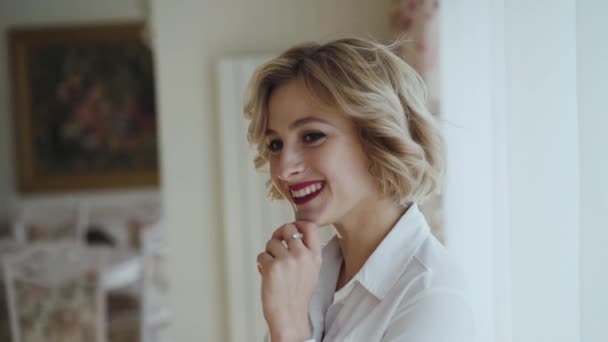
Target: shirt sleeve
point(437, 316)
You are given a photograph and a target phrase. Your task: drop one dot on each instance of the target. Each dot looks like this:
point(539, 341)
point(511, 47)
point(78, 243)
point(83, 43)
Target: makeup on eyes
point(308, 137)
point(314, 135)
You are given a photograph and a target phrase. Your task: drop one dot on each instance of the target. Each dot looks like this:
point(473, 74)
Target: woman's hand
point(289, 277)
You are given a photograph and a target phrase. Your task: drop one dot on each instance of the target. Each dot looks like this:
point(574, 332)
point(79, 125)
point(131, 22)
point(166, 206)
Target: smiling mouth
point(306, 194)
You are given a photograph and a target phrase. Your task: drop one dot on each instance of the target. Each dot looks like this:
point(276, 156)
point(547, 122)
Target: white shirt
point(408, 290)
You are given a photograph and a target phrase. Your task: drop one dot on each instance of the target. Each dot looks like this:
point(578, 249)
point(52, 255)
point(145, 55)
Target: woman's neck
point(362, 231)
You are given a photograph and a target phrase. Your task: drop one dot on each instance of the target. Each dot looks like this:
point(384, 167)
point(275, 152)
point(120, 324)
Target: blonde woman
point(348, 140)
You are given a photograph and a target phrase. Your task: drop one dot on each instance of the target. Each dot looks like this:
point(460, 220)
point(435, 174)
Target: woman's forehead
point(293, 104)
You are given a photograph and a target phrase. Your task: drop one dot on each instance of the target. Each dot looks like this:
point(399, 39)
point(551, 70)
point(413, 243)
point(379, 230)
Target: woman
point(344, 129)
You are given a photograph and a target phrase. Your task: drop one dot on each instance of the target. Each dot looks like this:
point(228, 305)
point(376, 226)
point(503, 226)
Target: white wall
point(593, 123)
point(189, 38)
point(30, 12)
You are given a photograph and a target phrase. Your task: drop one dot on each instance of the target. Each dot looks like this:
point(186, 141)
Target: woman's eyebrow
point(301, 122)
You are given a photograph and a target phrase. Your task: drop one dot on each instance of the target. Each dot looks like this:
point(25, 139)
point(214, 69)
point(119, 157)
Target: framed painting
point(84, 105)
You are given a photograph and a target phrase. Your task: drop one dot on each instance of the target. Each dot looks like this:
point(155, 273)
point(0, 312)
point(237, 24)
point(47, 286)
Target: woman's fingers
point(276, 249)
point(264, 259)
point(283, 232)
point(291, 235)
point(291, 238)
point(311, 235)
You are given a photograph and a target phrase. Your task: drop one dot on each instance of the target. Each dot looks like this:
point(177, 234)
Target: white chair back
point(54, 293)
point(59, 220)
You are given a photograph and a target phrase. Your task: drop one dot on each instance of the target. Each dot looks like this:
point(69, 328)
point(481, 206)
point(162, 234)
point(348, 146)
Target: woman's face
point(317, 160)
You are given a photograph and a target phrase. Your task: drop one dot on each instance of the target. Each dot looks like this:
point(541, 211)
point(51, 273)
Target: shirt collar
point(388, 261)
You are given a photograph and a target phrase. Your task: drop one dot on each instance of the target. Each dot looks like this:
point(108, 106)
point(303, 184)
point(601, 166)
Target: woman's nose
point(290, 164)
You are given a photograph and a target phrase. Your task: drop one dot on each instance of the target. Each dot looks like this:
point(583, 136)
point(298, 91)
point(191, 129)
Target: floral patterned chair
point(54, 293)
point(156, 315)
point(50, 221)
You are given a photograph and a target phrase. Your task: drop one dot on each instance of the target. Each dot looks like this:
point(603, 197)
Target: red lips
point(298, 186)
point(307, 198)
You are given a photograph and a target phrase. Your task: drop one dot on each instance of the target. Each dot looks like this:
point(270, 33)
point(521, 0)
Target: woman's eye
point(275, 145)
point(312, 137)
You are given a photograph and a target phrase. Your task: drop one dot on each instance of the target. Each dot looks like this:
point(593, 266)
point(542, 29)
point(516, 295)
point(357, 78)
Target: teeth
point(307, 190)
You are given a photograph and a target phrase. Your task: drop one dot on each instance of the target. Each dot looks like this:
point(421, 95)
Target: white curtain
point(509, 103)
point(592, 54)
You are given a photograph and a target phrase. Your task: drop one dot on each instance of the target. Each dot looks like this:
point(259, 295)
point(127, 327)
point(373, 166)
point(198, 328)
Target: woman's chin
point(315, 218)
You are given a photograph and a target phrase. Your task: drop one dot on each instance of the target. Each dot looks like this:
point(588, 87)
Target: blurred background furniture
point(121, 278)
point(155, 313)
point(62, 253)
point(7, 247)
point(55, 293)
point(120, 225)
point(55, 220)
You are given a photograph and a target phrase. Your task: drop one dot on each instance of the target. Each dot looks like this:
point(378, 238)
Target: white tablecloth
point(120, 268)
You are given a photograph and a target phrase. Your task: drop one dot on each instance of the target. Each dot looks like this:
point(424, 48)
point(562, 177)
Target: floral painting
point(84, 108)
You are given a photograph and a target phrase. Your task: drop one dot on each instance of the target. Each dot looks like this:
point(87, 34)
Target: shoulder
point(434, 315)
point(433, 289)
point(434, 302)
point(433, 268)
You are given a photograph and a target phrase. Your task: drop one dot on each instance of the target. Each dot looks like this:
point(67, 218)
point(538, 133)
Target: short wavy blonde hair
point(383, 95)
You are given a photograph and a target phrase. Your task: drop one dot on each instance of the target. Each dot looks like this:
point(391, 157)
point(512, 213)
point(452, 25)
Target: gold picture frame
point(84, 108)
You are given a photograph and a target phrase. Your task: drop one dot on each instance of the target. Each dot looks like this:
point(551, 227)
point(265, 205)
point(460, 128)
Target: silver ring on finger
point(296, 236)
